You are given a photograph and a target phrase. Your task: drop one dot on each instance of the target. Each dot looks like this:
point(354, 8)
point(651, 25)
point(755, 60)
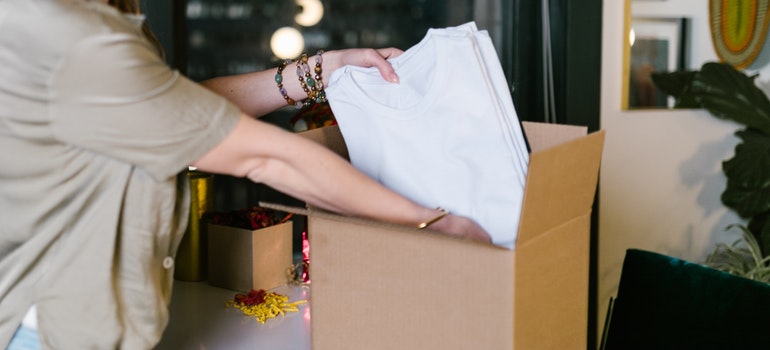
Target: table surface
point(200, 320)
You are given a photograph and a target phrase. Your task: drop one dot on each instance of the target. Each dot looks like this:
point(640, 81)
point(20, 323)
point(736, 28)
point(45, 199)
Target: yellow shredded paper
point(274, 304)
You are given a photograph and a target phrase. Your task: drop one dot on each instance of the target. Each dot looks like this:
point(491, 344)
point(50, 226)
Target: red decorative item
point(315, 116)
point(249, 219)
point(254, 297)
point(305, 258)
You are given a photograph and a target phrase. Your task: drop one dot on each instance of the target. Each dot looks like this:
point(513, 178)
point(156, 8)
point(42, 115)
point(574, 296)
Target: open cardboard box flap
point(383, 286)
point(562, 176)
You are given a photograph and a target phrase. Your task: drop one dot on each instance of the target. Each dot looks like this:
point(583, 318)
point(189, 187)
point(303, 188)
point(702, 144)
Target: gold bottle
point(191, 258)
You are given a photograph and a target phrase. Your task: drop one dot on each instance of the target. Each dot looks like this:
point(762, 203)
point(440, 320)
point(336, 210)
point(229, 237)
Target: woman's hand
point(461, 226)
point(366, 58)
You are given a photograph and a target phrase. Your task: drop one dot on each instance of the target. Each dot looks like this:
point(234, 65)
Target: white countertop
point(200, 320)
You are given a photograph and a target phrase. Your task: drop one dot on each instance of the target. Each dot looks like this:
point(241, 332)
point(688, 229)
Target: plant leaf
point(743, 258)
point(748, 175)
point(730, 94)
point(677, 84)
point(759, 226)
point(763, 239)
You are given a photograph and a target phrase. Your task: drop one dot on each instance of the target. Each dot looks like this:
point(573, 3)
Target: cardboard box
point(383, 286)
point(241, 260)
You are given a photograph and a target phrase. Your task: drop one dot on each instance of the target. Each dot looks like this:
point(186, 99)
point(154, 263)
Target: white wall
point(661, 176)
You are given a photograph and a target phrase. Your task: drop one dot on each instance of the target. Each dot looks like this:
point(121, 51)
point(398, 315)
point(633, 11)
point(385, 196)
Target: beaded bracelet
point(305, 80)
point(279, 82)
point(311, 84)
point(318, 69)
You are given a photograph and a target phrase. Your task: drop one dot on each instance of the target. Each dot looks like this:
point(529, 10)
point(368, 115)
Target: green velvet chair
point(668, 303)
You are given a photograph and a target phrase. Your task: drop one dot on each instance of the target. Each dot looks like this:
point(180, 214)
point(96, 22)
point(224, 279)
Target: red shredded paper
point(250, 219)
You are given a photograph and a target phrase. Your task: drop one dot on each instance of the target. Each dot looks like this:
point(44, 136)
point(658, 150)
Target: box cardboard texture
point(383, 286)
point(242, 260)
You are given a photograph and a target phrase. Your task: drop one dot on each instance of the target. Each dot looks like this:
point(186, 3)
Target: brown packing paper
point(380, 286)
point(242, 260)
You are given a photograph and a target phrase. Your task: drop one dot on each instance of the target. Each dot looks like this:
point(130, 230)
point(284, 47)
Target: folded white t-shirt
point(447, 135)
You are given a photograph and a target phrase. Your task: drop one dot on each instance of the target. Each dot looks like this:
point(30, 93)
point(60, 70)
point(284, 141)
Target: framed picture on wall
point(657, 45)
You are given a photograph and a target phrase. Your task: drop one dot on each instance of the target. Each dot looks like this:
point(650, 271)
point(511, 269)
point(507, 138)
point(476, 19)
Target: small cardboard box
point(242, 260)
point(383, 286)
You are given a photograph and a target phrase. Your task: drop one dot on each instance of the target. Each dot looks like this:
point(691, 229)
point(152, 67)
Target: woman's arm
point(305, 170)
point(257, 94)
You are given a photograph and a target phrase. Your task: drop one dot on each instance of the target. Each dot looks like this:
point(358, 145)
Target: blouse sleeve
point(114, 95)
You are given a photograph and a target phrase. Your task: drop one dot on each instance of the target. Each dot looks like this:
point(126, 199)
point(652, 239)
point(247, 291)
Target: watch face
point(738, 29)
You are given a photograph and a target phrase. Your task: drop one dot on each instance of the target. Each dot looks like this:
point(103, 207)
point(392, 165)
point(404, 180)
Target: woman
point(95, 128)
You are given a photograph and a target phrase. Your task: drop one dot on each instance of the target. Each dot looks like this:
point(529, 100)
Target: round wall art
point(738, 29)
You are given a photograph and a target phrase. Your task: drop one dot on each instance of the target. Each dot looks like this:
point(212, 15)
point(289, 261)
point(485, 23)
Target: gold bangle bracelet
point(438, 217)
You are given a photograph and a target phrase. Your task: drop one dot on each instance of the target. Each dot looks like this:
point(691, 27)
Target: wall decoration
point(657, 45)
point(738, 29)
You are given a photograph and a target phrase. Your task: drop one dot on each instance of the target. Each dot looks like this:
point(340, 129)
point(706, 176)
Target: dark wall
point(576, 53)
point(167, 20)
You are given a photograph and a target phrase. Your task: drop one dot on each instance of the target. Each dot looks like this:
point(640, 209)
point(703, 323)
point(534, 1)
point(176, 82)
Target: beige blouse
point(94, 128)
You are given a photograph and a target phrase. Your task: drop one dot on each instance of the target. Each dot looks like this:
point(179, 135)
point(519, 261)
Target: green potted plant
point(730, 94)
